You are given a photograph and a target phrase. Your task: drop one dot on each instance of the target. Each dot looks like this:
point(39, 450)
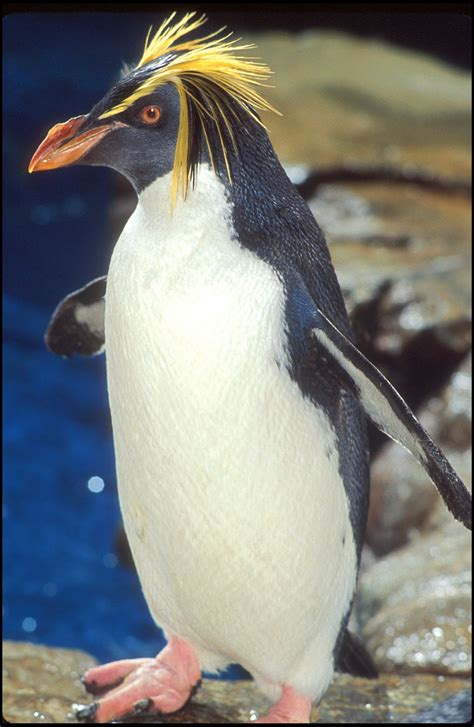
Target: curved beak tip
point(64, 144)
point(56, 138)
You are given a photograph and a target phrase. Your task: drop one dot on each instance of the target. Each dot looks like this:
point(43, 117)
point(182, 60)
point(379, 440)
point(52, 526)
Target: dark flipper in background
point(77, 324)
point(354, 659)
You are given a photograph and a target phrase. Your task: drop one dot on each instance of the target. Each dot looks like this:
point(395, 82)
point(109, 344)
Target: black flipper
point(77, 324)
point(384, 405)
point(354, 659)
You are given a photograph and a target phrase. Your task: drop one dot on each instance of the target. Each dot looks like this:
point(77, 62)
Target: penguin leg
point(163, 684)
point(291, 708)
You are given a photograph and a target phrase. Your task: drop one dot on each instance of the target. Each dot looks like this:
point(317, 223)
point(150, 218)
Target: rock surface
point(414, 606)
point(345, 98)
point(41, 685)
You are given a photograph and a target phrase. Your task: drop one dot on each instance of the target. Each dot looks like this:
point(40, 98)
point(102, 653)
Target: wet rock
point(414, 605)
point(448, 416)
point(454, 710)
point(349, 700)
point(391, 698)
point(41, 684)
point(422, 285)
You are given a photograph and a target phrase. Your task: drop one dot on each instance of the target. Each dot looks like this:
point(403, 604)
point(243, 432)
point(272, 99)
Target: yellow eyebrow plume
point(205, 71)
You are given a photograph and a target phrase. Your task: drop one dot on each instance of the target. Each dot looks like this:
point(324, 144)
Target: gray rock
point(414, 605)
point(454, 710)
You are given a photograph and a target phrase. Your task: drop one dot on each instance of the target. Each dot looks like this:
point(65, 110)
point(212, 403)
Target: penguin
point(237, 395)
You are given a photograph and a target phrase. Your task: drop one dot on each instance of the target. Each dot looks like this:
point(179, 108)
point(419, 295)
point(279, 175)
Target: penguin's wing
point(380, 400)
point(77, 324)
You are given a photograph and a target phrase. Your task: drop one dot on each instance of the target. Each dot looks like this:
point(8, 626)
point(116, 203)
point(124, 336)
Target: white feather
point(234, 510)
point(91, 316)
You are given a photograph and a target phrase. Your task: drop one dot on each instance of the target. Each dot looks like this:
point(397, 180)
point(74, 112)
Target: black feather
point(353, 657)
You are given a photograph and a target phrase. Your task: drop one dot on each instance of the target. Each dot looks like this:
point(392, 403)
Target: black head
point(142, 144)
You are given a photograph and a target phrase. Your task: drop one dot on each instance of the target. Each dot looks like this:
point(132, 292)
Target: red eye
point(150, 115)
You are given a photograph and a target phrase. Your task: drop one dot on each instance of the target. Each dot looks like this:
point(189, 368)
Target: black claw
point(85, 712)
point(195, 689)
point(142, 706)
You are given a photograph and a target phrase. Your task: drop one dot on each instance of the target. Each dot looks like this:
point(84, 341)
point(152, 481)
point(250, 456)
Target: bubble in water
point(96, 484)
point(29, 624)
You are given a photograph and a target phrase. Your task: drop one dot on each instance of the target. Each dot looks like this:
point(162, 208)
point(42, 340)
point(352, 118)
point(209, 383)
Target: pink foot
point(163, 684)
point(291, 708)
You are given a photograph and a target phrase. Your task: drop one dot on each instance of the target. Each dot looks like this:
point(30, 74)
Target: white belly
point(234, 509)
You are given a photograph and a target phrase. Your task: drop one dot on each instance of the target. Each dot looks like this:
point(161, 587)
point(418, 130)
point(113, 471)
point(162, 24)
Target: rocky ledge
point(42, 684)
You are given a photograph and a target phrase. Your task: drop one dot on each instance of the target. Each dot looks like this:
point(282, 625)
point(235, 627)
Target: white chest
point(224, 475)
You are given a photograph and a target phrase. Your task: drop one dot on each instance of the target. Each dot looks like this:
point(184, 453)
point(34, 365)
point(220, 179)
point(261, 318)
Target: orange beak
point(63, 146)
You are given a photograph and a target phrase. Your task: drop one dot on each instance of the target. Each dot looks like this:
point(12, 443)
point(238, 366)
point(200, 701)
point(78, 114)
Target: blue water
point(63, 585)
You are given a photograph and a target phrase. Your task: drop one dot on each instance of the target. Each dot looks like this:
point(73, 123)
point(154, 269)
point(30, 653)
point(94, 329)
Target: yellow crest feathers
point(204, 71)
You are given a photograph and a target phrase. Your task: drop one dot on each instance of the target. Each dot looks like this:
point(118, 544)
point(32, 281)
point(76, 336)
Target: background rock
point(453, 710)
point(365, 100)
point(413, 605)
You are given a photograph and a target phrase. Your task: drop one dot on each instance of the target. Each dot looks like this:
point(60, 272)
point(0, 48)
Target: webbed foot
point(135, 686)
